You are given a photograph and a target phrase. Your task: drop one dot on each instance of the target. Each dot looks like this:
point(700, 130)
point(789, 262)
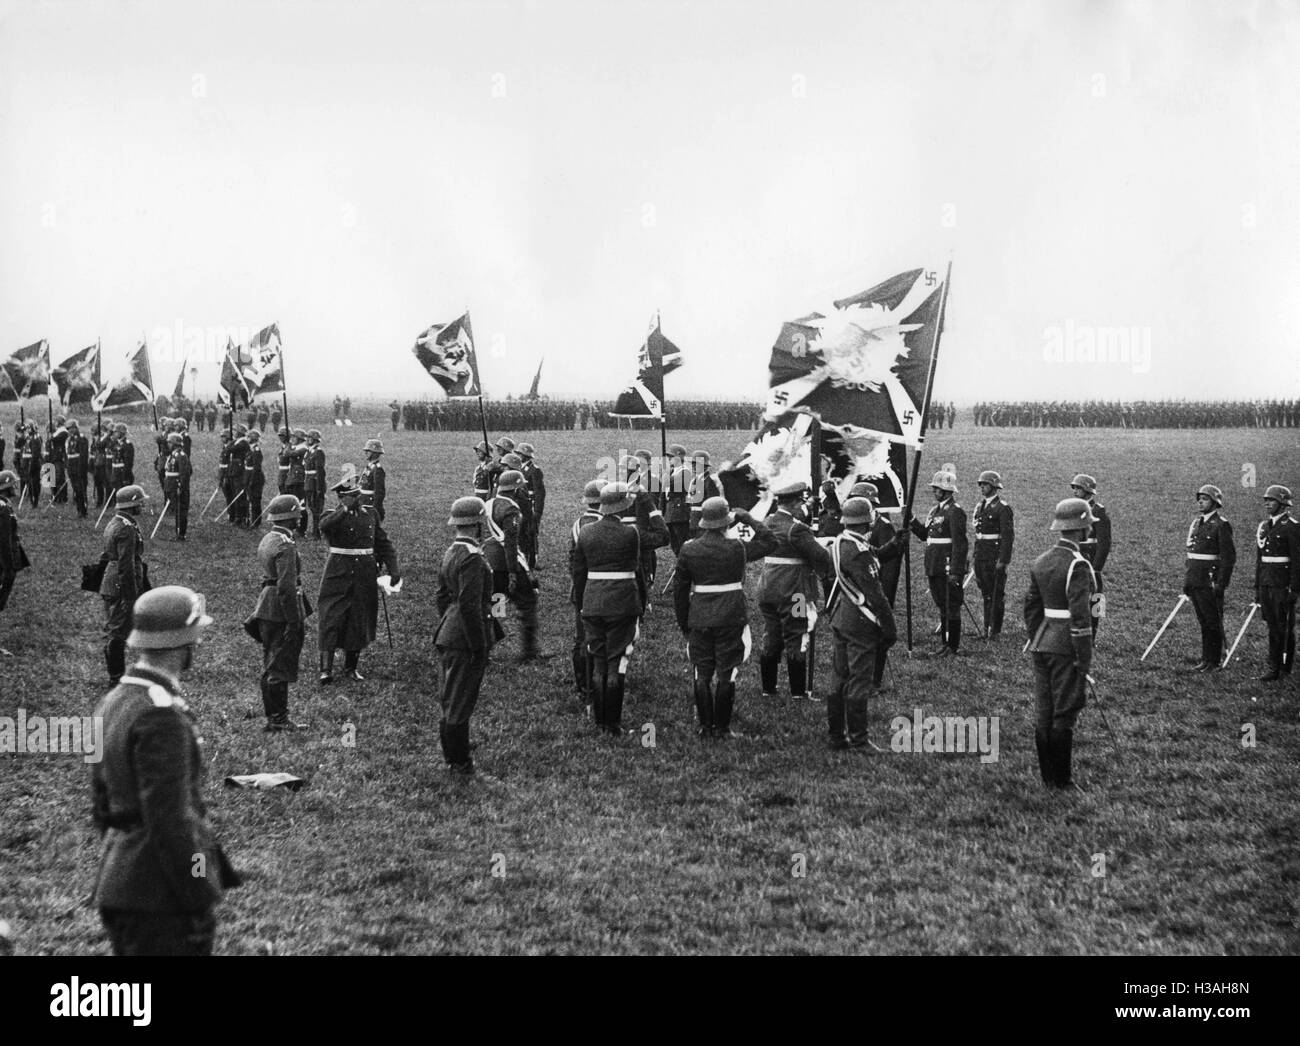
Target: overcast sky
point(357, 171)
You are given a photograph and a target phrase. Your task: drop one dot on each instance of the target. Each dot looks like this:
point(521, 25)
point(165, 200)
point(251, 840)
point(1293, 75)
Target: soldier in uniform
point(536, 481)
point(1058, 617)
point(466, 630)
point(512, 581)
point(606, 570)
point(58, 454)
point(1277, 579)
point(349, 595)
point(862, 627)
point(176, 482)
point(283, 454)
point(677, 513)
point(101, 462)
point(31, 463)
point(12, 557)
point(160, 458)
point(224, 470)
point(484, 480)
point(1211, 555)
point(1096, 545)
point(281, 611)
point(645, 515)
point(787, 595)
point(946, 548)
point(994, 536)
point(161, 871)
point(124, 575)
point(295, 482)
point(239, 448)
point(887, 546)
point(704, 485)
point(123, 457)
point(212, 415)
point(581, 660)
point(709, 598)
point(254, 479)
point(77, 453)
point(395, 414)
point(372, 476)
point(313, 463)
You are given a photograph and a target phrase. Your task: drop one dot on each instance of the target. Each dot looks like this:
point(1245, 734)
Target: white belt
point(72, 456)
point(311, 472)
point(1202, 555)
point(986, 537)
point(1062, 614)
point(171, 475)
point(734, 586)
point(1275, 559)
point(1088, 541)
point(784, 561)
point(284, 468)
point(938, 541)
point(351, 551)
point(612, 575)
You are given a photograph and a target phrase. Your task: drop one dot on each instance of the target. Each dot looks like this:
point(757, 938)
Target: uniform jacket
point(11, 557)
point(588, 517)
point(505, 520)
point(124, 555)
point(348, 602)
point(464, 599)
point(297, 477)
point(176, 473)
point(536, 486)
point(280, 596)
point(608, 547)
point(713, 559)
point(1278, 539)
point(77, 452)
point(482, 481)
point(31, 457)
point(238, 451)
point(282, 465)
point(794, 541)
point(994, 517)
point(860, 607)
point(644, 514)
point(123, 458)
point(946, 544)
point(703, 486)
point(1210, 535)
point(676, 509)
point(1096, 546)
point(374, 480)
point(148, 804)
point(254, 479)
point(313, 469)
point(1058, 604)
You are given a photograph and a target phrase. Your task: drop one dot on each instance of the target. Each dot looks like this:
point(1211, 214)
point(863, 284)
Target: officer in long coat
point(1096, 545)
point(1277, 579)
point(124, 575)
point(466, 630)
point(709, 598)
point(581, 660)
point(1211, 556)
point(1058, 617)
point(946, 548)
point(161, 871)
point(348, 602)
point(995, 535)
point(788, 594)
point(281, 611)
point(77, 454)
point(862, 625)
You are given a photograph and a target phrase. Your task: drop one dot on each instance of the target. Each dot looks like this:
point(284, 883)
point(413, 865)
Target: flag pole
point(920, 443)
point(663, 425)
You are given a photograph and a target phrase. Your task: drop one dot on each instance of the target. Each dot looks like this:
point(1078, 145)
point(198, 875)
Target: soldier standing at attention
point(57, 447)
point(1277, 579)
point(709, 597)
point(946, 547)
point(313, 466)
point(606, 566)
point(787, 595)
point(862, 628)
point(238, 497)
point(282, 461)
point(124, 577)
point(395, 413)
point(77, 452)
point(704, 485)
point(511, 579)
point(123, 458)
point(281, 611)
point(1058, 618)
point(12, 558)
point(1096, 545)
point(349, 595)
point(373, 478)
point(253, 481)
point(176, 482)
point(31, 463)
point(483, 474)
point(161, 871)
point(1211, 555)
point(100, 458)
point(994, 536)
point(677, 513)
point(536, 481)
point(581, 660)
point(466, 630)
point(295, 482)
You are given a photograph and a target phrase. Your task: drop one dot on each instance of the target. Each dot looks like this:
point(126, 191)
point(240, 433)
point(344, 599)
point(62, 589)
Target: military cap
point(525, 450)
point(715, 514)
point(791, 490)
point(132, 496)
point(1279, 493)
point(373, 446)
point(512, 461)
point(702, 455)
point(348, 482)
point(1084, 482)
point(856, 511)
point(591, 492)
point(614, 498)
point(166, 618)
point(1073, 514)
point(991, 478)
point(467, 511)
point(865, 490)
point(8, 482)
point(283, 506)
point(1213, 492)
point(175, 439)
point(511, 479)
point(60, 419)
point(945, 480)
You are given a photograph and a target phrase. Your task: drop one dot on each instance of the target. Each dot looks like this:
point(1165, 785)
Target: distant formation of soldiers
point(1143, 414)
point(462, 415)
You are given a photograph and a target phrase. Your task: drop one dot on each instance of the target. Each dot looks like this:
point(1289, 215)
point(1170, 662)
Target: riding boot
point(798, 672)
point(599, 688)
point(326, 666)
point(614, 704)
point(352, 658)
point(856, 717)
point(954, 634)
point(704, 703)
point(882, 657)
point(463, 762)
point(768, 667)
point(1062, 742)
point(115, 657)
point(1043, 742)
point(724, 699)
point(444, 739)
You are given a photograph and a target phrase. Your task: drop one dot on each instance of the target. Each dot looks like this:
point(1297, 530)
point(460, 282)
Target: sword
point(383, 598)
point(1244, 625)
point(1177, 607)
point(111, 498)
point(209, 505)
point(228, 507)
point(1092, 687)
point(671, 574)
point(161, 516)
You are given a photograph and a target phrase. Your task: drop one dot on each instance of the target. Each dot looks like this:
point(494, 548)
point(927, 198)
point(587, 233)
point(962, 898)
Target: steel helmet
point(614, 498)
point(373, 446)
point(511, 479)
point(1279, 493)
point(1084, 482)
point(132, 496)
point(591, 492)
point(1073, 514)
point(991, 478)
point(525, 450)
point(314, 434)
point(167, 618)
point(715, 514)
point(467, 511)
point(676, 450)
point(8, 482)
point(856, 511)
point(865, 490)
point(299, 433)
point(255, 436)
point(1213, 492)
point(282, 507)
point(505, 444)
point(945, 481)
point(175, 439)
point(512, 461)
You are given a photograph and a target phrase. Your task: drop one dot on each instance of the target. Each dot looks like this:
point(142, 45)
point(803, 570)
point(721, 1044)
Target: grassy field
point(592, 845)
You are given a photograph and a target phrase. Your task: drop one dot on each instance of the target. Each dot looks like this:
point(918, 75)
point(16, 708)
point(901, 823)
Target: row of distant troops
point(1258, 414)
point(462, 415)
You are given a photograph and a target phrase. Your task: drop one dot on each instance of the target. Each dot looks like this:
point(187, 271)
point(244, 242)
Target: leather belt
point(351, 551)
point(1204, 556)
point(611, 575)
point(733, 586)
point(938, 541)
point(986, 537)
point(1275, 559)
point(784, 561)
point(171, 475)
point(1063, 615)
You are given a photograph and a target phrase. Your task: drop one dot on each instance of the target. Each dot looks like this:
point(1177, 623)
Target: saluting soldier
point(313, 464)
point(12, 557)
point(281, 611)
point(176, 482)
point(677, 513)
point(1058, 617)
point(709, 598)
point(1096, 545)
point(536, 481)
point(606, 568)
point(581, 660)
point(512, 581)
point(862, 627)
point(995, 534)
point(77, 453)
point(644, 514)
point(124, 575)
point(466, 630)
point(787, 595)
point(254, 480)
point(373, 478)
point(161, 871)
point(1211, 556)
point(946, 549)
point(1277, 579)
point(348, 602)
